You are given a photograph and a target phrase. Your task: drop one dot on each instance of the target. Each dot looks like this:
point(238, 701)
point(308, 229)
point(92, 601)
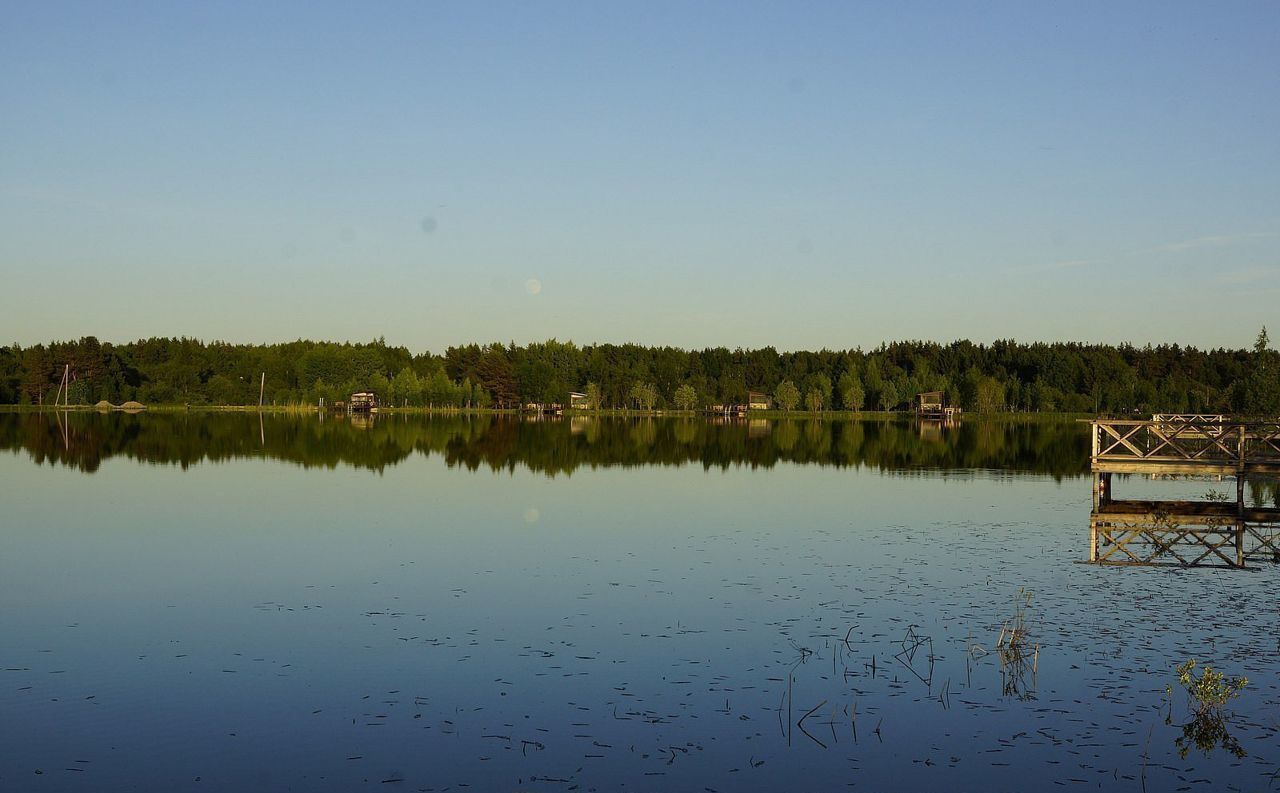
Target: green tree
point(817, 392)
point(497, 377)
point(851, 394)
point(406, 388)
point(594, 399)
point(990, 395)
point(380, 385)
point(438, 390)
point(645, 395)
point(787, 395)
point(1259, 393)
point(686, 397)
point(889, 397)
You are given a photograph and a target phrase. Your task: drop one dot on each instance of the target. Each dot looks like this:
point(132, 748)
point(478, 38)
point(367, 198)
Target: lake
point(228, 601)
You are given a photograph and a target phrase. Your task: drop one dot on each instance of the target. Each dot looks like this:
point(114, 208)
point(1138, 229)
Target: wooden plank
point(1156, 513)
point(1129, 465)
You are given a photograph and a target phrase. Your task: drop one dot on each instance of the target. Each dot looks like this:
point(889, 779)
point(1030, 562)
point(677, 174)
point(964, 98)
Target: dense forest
point(1005, 375)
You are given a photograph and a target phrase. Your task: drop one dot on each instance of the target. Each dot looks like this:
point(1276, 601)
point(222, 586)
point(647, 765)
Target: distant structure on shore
point(932, 405)
point(363, 402)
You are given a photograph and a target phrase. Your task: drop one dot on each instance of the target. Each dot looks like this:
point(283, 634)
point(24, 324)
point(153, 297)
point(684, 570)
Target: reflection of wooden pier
point(1183, 532)
point(932, 429)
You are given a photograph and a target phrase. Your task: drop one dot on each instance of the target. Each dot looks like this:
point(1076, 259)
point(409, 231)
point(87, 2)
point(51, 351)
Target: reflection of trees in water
point(818, 438)
point(83, 440)
point(786, 435)
point(1206, 732)
point(1263, 494)
point(685, 432)
point(644, 433)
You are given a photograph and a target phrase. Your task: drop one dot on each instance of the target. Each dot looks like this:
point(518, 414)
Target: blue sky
point(740, 174)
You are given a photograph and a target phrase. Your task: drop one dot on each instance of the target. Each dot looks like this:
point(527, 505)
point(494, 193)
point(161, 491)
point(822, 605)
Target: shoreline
point(828, 415)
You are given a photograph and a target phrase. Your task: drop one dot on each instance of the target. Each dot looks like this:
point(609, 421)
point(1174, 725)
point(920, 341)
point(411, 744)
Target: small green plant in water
point(1207, 697)
point(1212, 690)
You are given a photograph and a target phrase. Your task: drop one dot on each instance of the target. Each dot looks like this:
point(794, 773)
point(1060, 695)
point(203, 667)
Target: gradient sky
point(739, 174)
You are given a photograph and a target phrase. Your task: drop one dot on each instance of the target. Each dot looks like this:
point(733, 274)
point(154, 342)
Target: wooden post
point(1093, 540)
point(1240, 514)
point(1240, 543)
point(262, 390)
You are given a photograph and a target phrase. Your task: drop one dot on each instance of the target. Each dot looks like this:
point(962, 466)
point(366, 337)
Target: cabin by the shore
point(578, 400)
point(933, 405)
point(363, 402)
point(757, 400)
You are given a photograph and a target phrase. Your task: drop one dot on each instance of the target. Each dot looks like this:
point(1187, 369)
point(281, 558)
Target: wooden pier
point(1209, 532)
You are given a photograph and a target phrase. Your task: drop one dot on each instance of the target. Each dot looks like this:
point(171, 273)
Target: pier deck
point(1183, 532)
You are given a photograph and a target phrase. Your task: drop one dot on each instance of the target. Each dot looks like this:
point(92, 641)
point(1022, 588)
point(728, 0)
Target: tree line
point(1004, 375)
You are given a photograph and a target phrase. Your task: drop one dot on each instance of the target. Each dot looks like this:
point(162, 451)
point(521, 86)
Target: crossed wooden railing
point(1187, 533)
point(1239, 444)
point(1189, 418)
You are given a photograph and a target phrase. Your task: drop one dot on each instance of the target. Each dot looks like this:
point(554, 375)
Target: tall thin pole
point(62, 384)
point(262, 390)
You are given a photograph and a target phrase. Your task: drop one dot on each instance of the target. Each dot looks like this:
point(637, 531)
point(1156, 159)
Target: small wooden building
point(933, 405)
point(758, 401)
point(578, 400)
point(363, 402)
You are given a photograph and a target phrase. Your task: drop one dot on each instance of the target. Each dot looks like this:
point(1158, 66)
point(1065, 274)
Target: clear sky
point(798, 174)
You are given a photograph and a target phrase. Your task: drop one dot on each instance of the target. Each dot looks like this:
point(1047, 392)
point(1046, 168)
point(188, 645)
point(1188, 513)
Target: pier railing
point(1183, 532)
point(1169, 445)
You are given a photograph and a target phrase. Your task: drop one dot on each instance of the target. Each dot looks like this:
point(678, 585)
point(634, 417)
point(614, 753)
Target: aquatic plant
point(1211, 690)
point(1207, 697)
point(1019, 654)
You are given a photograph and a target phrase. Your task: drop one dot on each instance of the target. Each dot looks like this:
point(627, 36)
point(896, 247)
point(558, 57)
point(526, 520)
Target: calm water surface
point(221, 602)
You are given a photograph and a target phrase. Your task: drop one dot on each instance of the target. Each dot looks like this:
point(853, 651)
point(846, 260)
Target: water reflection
point(551, 446)
point(1207, 732)
point(274, 626)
